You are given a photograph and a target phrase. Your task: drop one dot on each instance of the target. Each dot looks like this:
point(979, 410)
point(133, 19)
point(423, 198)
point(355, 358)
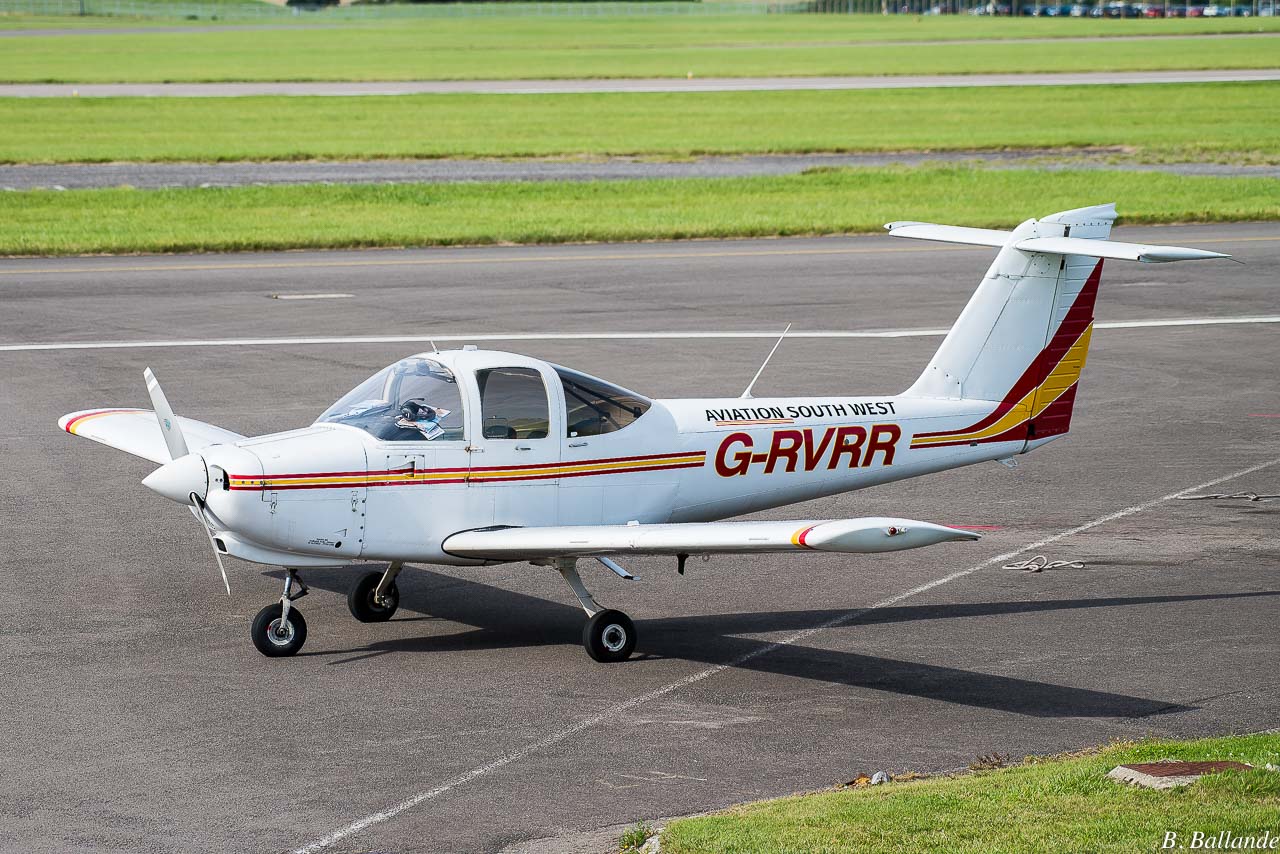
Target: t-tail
point(1021, 342)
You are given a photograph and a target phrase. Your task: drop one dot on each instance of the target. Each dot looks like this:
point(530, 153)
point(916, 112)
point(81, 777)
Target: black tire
point(270, 639)
point(360, 600)
point(609, 636)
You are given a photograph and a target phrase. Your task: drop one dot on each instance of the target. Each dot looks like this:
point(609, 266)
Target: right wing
point(868, 535)
point(137, 432)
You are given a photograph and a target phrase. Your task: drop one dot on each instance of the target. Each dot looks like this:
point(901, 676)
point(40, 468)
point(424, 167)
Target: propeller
point(200, 514)
point(164, 414)
point(185, 478)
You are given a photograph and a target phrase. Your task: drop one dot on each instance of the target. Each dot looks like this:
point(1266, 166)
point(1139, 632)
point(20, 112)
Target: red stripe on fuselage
point(404, 469)
point(263, 483)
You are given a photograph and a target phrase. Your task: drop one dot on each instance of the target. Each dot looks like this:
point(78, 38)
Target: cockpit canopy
point(414, 399)
point(420, 399)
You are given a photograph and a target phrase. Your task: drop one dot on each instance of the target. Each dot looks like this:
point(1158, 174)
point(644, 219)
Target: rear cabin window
point(513, 403)
point(594, 406)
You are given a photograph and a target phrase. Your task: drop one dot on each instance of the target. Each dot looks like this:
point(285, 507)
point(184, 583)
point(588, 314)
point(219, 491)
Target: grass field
point(1219, 121)
point(1054, 805)
point(632, 47)
point(284, 217)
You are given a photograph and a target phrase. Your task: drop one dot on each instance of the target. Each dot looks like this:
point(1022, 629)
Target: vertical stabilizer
point(1021, 342)
point(1016, 311)
point(1022, 339)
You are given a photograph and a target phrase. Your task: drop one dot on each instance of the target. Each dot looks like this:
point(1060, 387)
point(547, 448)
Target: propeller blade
point(198, 509)
point(164, 414)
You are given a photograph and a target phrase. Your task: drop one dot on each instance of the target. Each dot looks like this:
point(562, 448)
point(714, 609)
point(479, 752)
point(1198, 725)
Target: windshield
point(415, 399)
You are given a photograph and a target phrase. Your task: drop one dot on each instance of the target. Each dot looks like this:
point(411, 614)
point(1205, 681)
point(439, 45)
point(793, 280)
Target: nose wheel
point(279, 629)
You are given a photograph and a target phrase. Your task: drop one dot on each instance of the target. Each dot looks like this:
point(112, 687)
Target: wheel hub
point(280, 632)
point(614, 637)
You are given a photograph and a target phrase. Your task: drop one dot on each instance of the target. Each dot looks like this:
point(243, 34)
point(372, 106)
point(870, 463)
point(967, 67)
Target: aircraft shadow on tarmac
point(504, 619)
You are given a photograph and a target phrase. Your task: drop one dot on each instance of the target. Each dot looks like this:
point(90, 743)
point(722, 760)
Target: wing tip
point(69, 422)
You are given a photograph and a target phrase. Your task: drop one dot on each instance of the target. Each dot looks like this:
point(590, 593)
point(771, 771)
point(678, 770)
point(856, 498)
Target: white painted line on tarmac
point(587, 336)
point(611, 713)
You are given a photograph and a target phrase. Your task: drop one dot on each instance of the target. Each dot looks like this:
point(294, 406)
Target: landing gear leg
point(375, 597)
point(609, 635)
point(279, 629)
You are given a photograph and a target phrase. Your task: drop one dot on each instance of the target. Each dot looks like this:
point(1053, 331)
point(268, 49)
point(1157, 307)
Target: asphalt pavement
point(140, 718)
point(151, 175)
point(598, 85)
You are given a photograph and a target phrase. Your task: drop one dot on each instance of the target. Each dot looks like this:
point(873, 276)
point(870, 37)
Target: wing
point(855, 536)
point(137, 432)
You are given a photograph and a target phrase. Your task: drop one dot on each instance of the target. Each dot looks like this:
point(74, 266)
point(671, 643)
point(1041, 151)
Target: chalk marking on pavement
point(322, 263)
point(589, 336)
point(561, 735)
point(311, 296)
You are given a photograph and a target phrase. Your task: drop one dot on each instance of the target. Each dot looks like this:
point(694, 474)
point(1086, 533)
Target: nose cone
point(178, 479)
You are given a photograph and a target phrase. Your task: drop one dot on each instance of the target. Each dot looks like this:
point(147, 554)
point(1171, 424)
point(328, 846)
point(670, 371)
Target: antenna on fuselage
point(752, 384)
point(434, 348)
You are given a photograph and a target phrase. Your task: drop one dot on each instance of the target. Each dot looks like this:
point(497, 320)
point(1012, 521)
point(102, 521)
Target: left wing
point(137, 432)
point(867, 535)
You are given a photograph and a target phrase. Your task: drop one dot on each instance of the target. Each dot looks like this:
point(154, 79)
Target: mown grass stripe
point(288, 217)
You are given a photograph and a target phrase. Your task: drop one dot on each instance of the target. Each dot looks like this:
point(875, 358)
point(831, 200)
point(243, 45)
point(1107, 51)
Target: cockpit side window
point(594, 406)
point(513, 403)
point(414, 400)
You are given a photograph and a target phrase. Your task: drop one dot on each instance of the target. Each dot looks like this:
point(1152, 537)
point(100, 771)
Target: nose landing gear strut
point(279, 629)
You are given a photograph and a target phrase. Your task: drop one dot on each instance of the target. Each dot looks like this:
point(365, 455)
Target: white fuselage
point(331, 493)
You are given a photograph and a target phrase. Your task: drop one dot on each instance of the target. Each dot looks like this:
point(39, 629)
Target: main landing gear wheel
point(365, 604)
point(609, 636)
point(276, 637)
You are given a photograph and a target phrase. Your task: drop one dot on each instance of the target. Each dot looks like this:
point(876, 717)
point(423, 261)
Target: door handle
point(523, 448)
point(578, 444)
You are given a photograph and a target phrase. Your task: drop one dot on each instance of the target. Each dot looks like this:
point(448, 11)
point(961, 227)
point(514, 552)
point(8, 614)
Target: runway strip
point(612, 713)
point(576, 86)
point(334, 260)
point(585, 336)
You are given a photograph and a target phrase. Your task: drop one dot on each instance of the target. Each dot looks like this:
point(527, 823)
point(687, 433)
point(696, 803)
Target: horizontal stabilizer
point(137, 432)
point(868, 535)
point(1052, 244)
point(949, 233)
point(1114, 249)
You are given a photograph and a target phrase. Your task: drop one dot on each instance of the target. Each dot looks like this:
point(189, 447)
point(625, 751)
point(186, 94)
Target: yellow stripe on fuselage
point(527, 472)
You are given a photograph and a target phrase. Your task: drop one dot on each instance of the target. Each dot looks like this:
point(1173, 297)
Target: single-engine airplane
point(473, 457)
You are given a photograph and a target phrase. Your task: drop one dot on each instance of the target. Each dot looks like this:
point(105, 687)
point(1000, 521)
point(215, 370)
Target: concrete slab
point(139, 717)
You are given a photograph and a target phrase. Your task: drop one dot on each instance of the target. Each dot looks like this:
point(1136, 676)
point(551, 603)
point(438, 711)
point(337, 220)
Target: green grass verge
point(14, 21)
point(1046, 805)
point(631, 47)
point(285, 217)
point(1206, 121)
